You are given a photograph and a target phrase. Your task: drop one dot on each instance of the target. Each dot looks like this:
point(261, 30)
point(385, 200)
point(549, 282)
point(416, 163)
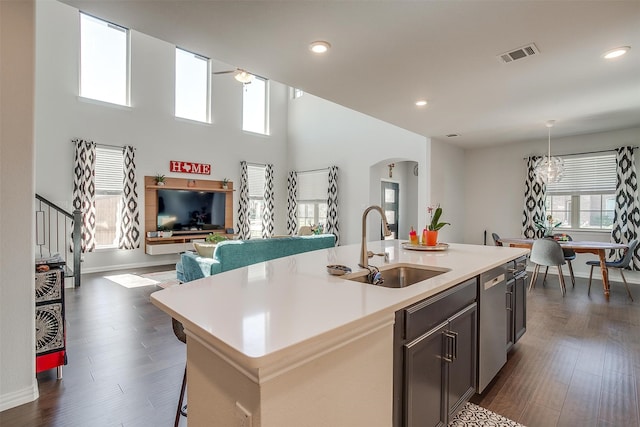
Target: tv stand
point(181, 241)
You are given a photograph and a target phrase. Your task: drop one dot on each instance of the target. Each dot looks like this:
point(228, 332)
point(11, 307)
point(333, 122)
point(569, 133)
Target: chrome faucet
point(364, 254)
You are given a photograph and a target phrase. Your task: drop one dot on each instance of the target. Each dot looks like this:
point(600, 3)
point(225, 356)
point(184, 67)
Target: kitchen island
point(283, 343)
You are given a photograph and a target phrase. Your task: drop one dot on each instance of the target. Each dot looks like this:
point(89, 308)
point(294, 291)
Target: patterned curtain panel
point(332, 204)
point(533, 202)
point(626, 220)
point(267, 213)
point(292, 203)
point(84, 190)
point(243, 210)
point(130, 215)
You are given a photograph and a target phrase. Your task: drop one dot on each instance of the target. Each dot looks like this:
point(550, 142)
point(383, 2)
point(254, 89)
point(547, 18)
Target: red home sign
point(189, 167)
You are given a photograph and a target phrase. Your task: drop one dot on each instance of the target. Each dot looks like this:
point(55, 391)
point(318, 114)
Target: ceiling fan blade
point(224, 72)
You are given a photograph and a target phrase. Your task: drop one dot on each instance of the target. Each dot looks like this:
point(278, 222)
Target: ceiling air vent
point(519, 53)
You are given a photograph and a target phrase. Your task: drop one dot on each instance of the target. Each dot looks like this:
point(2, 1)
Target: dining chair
point(569, 255)
point(178, 330)
point(547, 252)
point(619, 264)
point(496, 239)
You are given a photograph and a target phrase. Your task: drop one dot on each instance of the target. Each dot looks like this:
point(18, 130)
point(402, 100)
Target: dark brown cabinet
point(435, 357)
point(516, 300)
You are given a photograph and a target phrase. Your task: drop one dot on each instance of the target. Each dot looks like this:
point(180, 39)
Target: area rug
point(162, 279)
point(475, 416)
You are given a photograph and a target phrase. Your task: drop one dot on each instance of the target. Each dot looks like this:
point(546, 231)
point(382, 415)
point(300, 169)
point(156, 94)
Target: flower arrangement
point(435, 213)
point(547, 226)
point(159, 178)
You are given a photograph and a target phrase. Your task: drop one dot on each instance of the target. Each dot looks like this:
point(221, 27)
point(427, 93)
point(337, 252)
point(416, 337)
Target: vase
point(432, 237)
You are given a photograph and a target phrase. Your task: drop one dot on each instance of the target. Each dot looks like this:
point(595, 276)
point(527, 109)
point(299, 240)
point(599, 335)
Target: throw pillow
point(205, 249)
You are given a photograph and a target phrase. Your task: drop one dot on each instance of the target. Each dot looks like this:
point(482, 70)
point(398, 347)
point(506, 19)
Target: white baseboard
point(20, 397)
point(126, 266)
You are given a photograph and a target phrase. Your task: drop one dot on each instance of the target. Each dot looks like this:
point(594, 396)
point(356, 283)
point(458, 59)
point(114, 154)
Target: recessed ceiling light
point(319, 46)
point(614, 53)
point(421, 103)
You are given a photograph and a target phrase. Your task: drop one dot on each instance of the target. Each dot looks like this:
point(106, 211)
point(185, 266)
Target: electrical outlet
point(243, 416)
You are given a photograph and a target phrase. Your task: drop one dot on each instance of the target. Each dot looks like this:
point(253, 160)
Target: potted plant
point(225, 183)
point(215, 238)
point(430, 235)
point(159, 179)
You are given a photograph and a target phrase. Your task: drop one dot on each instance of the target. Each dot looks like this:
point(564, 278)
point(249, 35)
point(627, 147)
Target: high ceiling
point(386, 55)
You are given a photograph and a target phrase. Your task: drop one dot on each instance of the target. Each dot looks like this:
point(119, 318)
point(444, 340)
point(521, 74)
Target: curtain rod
point(313, 170)
point(586, 152)
point(109, 145)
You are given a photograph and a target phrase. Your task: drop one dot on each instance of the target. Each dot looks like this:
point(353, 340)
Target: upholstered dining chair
point(547, 252)
point(178, 330)
point(496, 239)
point(569, 255)
point(619, 264)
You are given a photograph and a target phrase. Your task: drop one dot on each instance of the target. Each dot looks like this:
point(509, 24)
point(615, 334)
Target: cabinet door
point(462, 368)
point(510, 303)
point(520, 306)
point(424, 403)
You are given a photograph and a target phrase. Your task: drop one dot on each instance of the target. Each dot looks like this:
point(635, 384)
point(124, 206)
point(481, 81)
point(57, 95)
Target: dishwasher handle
point(493, 282)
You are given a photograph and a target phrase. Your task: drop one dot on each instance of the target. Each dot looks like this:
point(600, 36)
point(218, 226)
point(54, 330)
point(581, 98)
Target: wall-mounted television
point(186, 210)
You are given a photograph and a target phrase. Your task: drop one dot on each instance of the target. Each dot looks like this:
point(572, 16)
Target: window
point(108, 180)
point(254, 106)
point(312, 197)
point(104, 60)
point(256, 183)
point(192, 86)
point(585, 196)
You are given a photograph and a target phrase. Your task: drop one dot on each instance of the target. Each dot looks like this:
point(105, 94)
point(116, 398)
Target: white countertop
point(265, 311)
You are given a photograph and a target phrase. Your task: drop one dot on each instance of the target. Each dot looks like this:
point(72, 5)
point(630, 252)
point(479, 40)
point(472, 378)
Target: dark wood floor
point(578, 363)
point(125, 365)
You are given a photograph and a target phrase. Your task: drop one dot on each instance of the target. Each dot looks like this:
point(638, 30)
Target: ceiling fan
point(240, 75)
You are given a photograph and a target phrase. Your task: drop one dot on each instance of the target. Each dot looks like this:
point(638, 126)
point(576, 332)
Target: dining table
point(578, 246)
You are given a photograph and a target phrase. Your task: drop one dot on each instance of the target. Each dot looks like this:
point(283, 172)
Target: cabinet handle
point(509, 299)
point(455, 345)
point(449, 346)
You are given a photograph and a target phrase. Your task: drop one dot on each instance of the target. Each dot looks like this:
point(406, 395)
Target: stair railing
point(60, 232)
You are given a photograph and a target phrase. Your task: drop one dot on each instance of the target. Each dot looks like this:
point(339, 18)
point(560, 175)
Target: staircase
point(58, 235)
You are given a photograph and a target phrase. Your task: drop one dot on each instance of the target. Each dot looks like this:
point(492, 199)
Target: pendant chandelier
point(549, 169)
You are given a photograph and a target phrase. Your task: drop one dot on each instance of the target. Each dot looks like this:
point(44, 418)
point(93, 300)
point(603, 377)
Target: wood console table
point(180, 242)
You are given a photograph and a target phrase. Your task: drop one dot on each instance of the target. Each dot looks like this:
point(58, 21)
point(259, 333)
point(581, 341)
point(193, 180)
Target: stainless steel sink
point(398, 275)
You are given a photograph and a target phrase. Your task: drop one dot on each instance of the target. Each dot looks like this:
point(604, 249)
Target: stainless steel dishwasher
point(492, 353)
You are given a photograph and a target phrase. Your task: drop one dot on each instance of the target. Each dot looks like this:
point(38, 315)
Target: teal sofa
point(232, 254)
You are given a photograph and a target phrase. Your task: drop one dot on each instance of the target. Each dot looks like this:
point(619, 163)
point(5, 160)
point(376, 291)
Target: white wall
point(17, 324)
point(322, 134)
point(494, 185)
point(448, 174)
point(149, 124)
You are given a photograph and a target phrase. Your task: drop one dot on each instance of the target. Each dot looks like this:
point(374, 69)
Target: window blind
point(256, 181)
point(593, 174)
point(109, 176)
point(313, 185)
